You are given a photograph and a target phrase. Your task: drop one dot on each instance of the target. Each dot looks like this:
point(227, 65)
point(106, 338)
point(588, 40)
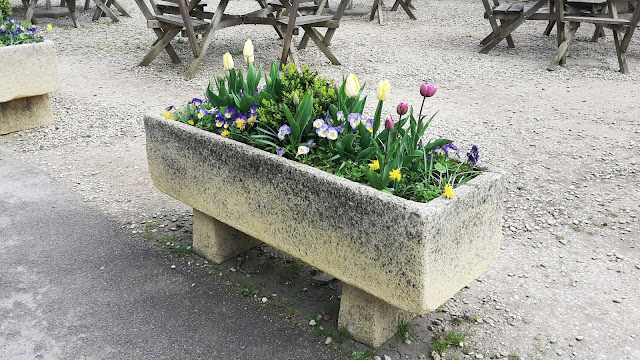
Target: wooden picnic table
point(68, 8)
point(193, 22)
point(602, 13)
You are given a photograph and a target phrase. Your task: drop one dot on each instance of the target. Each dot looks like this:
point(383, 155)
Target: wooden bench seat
point(313, 20)
point(175, 20)
point(306, 7)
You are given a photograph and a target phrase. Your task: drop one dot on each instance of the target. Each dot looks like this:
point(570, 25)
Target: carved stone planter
point(29, 73)
point(396, 257)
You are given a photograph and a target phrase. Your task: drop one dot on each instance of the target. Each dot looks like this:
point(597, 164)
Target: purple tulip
point(402, 108)
point(427, 90)
point(388, 124)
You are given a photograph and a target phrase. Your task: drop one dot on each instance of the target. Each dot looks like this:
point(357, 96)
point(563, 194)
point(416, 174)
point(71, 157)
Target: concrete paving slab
point(73, 285)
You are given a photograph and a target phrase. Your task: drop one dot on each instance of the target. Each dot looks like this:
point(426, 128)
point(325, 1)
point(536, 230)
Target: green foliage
point(291, 271)
point(301, 116)
point(337, 336)
point(362, 355)
point(291, 85)
point(5, 10)
point(250, 290)
point(444, 340)
point(405, 331)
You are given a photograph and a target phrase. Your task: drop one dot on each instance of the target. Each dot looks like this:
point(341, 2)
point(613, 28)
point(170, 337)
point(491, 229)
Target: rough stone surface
point(31, 68)
point(218, 241)
point(25, 113)
point(369, 319)
point(414, 256)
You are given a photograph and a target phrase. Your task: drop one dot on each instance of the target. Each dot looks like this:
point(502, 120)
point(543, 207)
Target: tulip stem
point(421, 106)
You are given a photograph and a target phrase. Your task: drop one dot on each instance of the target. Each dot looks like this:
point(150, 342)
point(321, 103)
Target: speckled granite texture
point(28, 70)
point(413, 256)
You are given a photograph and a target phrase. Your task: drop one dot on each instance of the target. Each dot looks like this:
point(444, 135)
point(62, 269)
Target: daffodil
point(374, 165)
point(227, 61)
point(395, 175)
point(351, 87)
point(384, 88)
point(448, 192)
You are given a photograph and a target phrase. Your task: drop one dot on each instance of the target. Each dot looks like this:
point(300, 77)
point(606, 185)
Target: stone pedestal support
point(368, 319)
point(218, 241)
point(25, 113)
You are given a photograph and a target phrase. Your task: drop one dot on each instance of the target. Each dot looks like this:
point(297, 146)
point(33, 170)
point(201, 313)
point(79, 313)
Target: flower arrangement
point(306, 118)
point(15, 33)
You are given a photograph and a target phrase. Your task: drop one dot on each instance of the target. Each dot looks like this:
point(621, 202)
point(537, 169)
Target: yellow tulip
point(248, 52)
point(384, 88)
point(227, 60)
point(351, 87)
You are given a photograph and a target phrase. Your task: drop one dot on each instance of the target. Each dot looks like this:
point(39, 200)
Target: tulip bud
point(248, 52)
point(388, 124)
point(227, 61)
point(384, 88)
point(427, 90)
point(295, 98)
point(351, 87)
point(402, 108)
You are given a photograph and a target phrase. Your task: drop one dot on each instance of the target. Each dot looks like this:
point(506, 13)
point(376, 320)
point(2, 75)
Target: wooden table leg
point(159, 45)
point(293, 14)
point(206, 38)
point(102, 7)
point(29, 16)
point(562, 48)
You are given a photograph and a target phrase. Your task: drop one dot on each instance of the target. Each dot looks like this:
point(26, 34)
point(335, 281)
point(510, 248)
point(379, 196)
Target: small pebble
point(312, 322)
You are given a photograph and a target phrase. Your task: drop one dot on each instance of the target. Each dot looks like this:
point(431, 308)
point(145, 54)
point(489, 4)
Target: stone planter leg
point(369, 320)
point(218, 241)
point(25, 113)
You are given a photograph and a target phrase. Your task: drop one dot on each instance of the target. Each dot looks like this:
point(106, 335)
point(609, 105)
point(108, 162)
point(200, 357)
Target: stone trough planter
point(396, 258)
point(29, 73)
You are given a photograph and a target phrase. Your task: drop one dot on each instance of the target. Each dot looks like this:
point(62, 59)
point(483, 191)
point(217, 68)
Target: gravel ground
point(565, 282)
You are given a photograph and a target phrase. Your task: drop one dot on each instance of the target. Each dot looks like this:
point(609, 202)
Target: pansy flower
point(473, 155)
point(219, 120)
point(279, 151)
point(303, 150)
point(354, 119)
point(168, 114)
point(332, 133)
point(322, 131)
point(229, 112)
point(318, 123)
point(369, 125)
point(196, 101)
point(283, 131)
point(202, 112)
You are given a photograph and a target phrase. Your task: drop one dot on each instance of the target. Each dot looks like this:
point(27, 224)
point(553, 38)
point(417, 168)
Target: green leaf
point(366, 154)
point(365, 135)
point(374, 180)
point(295, 129)
point(432, 145)
point(376, 118)
point(303, 114)
point(246, 103)
point(347, 143)
point(440, 168)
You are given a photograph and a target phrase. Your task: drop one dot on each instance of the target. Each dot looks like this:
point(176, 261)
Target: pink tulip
point(402, 108)
point(388, 124)
point(427, 90)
